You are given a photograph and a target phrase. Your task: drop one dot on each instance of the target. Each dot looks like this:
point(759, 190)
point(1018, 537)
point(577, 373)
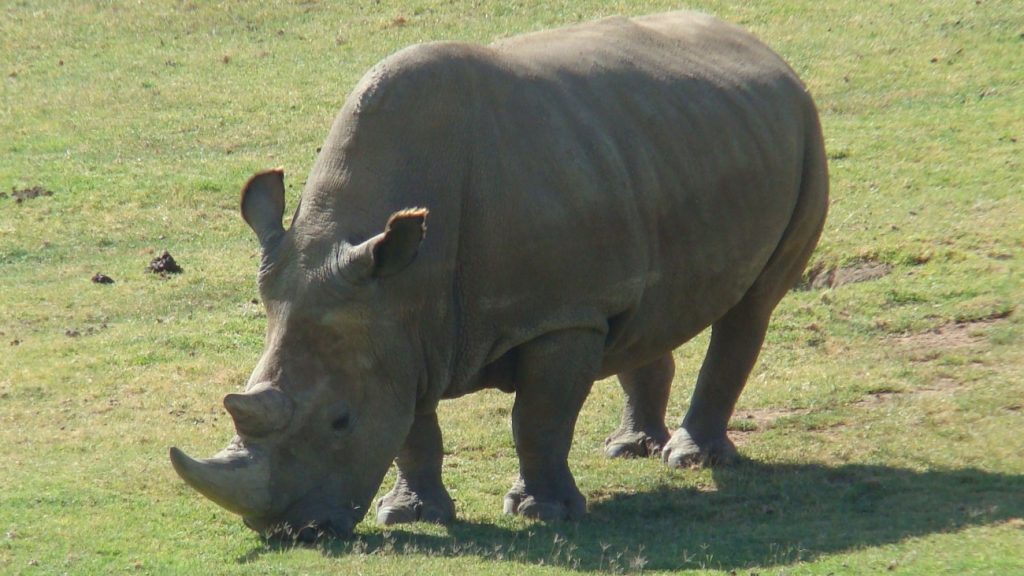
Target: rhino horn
point(259, 412)
point(235, 479)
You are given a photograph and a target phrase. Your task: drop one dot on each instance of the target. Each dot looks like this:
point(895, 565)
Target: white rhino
point(597, 196)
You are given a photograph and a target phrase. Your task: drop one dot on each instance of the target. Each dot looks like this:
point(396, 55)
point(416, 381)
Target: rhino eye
point(340, 423)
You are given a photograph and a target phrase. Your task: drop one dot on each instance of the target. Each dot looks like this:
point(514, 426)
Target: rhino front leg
point(643, 431)
point(419, 494)
point(553, 377)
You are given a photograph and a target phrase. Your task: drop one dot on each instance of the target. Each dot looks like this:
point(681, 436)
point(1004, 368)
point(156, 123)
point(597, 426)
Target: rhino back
point(630, 176)
point(627, 176)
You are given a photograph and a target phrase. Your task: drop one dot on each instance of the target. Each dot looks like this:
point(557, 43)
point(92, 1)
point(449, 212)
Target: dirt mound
point(27, 193)
point(163, 265)
point(821, 277)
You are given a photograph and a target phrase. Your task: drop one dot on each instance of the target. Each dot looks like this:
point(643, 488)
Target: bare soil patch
point(761, 418)
point(26, 193)
point(939, 388)
point(821, 277)
point(878, 397)
point(745, 423)
point(926, 346)
point(87, 331)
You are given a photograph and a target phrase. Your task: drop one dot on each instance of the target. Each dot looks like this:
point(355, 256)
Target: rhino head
point(323, 415)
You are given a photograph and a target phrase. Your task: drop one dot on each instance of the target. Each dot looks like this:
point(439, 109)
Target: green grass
point(884, 424)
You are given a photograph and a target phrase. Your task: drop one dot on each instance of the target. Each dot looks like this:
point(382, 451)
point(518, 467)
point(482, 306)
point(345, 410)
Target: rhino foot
point(567, 506)
point(682, 451)
point(634, 443)
point(402, 505)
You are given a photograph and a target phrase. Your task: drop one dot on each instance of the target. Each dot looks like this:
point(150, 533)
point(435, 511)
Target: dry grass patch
point(953, 337)
point(821, 277)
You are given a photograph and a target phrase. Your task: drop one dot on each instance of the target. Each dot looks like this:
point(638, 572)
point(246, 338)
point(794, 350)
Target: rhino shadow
point(757, 515)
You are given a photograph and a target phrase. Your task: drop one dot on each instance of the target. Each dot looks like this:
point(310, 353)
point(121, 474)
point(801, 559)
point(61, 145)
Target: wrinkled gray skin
point(597, 196)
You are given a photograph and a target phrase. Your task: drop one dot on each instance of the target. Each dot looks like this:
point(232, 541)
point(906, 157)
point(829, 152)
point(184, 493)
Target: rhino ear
point(389, 252)
point(263, 205)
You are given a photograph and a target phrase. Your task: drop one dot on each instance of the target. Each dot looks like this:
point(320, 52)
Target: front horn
point(236, 479)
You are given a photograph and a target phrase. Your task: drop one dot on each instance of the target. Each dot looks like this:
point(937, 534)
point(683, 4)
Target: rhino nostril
point(340, 423)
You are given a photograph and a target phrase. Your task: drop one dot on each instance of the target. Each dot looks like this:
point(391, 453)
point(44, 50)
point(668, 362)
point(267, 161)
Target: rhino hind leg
point(736, 341)
point(642, 431)
point(554, 374)
point(701, 439)
point(419, 494)
point(736, 338)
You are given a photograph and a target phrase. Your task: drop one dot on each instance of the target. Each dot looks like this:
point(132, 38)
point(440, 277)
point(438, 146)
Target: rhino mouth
point(309, 533)
point(339, 524)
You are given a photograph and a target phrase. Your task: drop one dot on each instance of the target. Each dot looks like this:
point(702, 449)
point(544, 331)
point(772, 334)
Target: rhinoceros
point(597, 195)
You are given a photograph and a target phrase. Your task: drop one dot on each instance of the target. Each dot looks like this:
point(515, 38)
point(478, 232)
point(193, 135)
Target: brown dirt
point(741, 437)
point(761, 418)
point(821, 277)
point(1017, 523)
point(87, 331)
point(745, 423)
point(960, 336)
point(27, 193)
point(942, 387)
point(879, 397)
point(163, 265)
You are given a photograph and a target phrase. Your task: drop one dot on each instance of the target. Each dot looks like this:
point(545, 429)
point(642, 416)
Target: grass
point(883, 424)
